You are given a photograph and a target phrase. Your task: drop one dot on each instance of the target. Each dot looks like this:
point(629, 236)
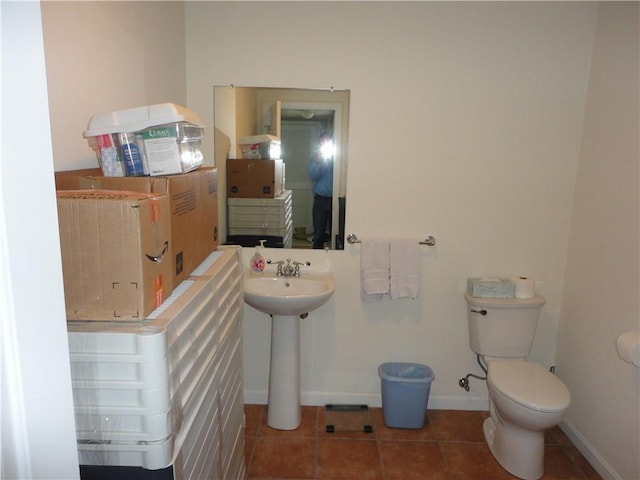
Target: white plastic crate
point(235, 462)
point(123, 374)
point(230, 419)
point(211, 268)
point(201, 458)
point(232, 453)
point(199, 439)
point(267, 230)
point(152, 456)
point(124, 428)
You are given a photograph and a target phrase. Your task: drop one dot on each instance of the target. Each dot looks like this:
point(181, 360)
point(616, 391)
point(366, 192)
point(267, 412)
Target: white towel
point(374, 269)
point(404, 269)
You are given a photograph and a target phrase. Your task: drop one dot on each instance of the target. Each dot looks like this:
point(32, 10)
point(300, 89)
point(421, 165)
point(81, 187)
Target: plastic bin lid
point(139, 118)
point(405, 372)
point(264, 138)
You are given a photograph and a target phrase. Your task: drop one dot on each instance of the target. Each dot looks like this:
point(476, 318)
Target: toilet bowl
point(524, 401)
point(524, 398)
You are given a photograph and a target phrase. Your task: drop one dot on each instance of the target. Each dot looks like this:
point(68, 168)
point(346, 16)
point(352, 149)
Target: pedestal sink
point(286, 299)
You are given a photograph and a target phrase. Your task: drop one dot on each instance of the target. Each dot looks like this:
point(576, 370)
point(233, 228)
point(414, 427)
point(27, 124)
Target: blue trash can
point(405, 393)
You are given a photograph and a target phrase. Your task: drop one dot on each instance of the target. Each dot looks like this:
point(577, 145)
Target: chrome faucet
point(296, 270)
point(288, 270)
point(279, 271)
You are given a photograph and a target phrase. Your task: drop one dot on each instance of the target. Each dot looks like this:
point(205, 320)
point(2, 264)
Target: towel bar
point(430, 240)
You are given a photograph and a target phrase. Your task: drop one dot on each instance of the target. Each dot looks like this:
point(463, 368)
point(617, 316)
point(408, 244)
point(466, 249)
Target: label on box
point(160, 132)
point(162, 154)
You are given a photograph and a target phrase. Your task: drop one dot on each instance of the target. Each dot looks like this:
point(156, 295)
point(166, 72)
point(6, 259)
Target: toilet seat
point(530, 385)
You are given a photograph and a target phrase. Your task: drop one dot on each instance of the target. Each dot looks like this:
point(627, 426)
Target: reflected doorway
point(300, 131)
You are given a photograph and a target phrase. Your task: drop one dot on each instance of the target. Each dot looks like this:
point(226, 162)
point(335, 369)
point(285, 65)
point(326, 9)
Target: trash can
point(405, 393)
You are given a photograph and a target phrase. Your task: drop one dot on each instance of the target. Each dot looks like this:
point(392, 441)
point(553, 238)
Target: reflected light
point(275, 150)
point(327, 150)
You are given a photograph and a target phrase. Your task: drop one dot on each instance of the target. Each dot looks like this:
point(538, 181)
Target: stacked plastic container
point(260, 146)
point(252, 219)
point(167, 391)
point(162, 139)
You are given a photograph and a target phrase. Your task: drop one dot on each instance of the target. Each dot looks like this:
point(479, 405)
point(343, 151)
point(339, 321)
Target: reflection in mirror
point(298, 118)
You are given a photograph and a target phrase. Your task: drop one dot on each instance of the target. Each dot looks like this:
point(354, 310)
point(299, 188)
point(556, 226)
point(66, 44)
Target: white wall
point(105, 56)
point(38, 438)
point(465, 124)
point(602, 287)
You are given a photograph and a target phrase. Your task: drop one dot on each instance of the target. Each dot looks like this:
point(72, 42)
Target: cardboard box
point(193, 199)
point(76, 179)
point(116, 253)
point(254, 178)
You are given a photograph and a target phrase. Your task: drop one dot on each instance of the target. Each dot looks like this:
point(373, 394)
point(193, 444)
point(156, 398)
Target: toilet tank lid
point(530, 385)
point(536, 301)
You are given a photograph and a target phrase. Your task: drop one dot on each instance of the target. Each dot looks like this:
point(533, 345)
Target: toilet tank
point(502, 327)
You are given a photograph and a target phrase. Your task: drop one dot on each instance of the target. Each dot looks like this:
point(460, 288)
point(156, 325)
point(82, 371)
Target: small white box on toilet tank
point(491, 287)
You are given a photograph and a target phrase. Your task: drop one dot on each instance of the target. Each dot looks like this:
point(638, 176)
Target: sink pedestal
point(284, 411)
point(286, 299)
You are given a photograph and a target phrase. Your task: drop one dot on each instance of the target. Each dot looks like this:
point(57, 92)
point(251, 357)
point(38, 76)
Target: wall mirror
point(297, 117)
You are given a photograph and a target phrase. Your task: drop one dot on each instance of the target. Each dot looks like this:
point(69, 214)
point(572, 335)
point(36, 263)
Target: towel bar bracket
point(429, 240)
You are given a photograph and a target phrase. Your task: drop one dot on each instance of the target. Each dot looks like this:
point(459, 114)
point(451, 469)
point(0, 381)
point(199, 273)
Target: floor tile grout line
point(445, 461)
point(382, 469)
point(317, 445)
point(255, 441)
point(317, 435)
point(574, 460)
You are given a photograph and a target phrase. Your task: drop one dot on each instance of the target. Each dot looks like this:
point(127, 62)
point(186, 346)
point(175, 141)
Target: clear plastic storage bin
point(162, 139)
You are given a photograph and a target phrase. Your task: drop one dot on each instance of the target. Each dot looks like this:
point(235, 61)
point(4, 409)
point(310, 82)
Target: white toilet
point(524, 398)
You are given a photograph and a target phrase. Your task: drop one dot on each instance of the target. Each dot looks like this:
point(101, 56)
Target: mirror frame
point(230, 123)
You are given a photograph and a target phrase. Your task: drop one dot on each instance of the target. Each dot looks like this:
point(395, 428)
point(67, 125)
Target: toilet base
point(520, 452)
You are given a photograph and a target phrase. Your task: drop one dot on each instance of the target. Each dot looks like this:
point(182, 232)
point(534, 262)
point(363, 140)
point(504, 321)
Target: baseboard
point(436, 402)
point(458, 402)
point(586, 449)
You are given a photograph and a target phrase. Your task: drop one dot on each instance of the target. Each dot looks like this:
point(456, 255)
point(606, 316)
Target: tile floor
point(449, 447)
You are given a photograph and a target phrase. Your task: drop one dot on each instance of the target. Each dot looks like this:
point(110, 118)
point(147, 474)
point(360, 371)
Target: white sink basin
point(287, 295)
point(286, 299)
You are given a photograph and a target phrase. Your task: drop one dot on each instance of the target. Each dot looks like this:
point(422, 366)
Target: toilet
point(524, 398)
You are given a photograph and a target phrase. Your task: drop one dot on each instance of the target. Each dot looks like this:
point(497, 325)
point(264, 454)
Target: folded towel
point(374, 269)
point(404, 269)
